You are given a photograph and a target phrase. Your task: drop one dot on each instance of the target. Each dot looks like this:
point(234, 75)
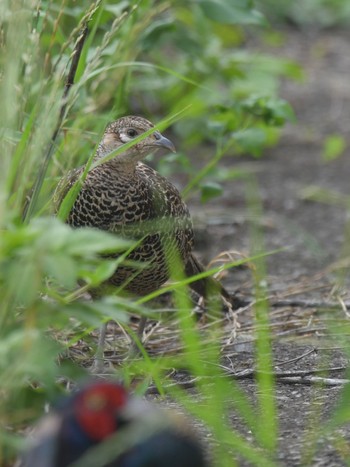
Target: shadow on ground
point(289, 177)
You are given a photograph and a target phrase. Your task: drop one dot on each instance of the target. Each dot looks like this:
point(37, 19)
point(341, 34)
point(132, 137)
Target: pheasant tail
point(208, 286)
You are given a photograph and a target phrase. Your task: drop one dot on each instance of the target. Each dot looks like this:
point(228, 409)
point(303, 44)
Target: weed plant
point(179, 63)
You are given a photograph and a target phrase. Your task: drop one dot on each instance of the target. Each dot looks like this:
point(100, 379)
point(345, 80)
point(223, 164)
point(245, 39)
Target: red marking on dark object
point(96, 407)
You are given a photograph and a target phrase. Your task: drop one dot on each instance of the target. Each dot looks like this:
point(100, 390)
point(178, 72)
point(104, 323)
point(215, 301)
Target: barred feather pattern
point(141, 205)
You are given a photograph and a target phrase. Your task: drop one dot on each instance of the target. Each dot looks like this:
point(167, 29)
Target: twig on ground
point(276, 303)
point(300, 357)
point(309, 304)
point(287, 377)
point(280, 375)
point(310, 380)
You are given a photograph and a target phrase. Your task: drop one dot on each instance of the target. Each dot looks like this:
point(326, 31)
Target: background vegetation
point(187, 61)
point(309, 13)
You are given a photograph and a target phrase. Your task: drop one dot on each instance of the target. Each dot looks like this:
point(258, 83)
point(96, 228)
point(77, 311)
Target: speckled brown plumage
point(127, 197)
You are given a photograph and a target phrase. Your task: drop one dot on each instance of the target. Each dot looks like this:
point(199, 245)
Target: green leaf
point(210, 190)
point(54, 235)
point(24, 280)
point(154, 32)
point(90, 312)
point(272, 111)
point(94, 241)
point(250, 140)
point(101, 272)
point(231, 12)
point(333, 147)
point(27, 353)
point(61, 268)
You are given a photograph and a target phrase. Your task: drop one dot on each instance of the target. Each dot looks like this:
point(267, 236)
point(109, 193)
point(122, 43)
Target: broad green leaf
point(24, 280)
point(61, 268)
point(250, 140)
point(155, 30)
point(210, 190)
point(272, 111)
point(100, 272)
point(231, 12)
point(87, 240)
point(91, 312)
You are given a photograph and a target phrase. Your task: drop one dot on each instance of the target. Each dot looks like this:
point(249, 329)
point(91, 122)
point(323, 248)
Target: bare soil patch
point(315, 234)
point(312, 235)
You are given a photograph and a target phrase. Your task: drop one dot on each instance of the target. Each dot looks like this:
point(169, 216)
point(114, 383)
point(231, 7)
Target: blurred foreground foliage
point(155, 58)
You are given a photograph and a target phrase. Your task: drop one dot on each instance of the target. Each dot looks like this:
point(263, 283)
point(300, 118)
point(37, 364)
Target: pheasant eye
point(131, 132)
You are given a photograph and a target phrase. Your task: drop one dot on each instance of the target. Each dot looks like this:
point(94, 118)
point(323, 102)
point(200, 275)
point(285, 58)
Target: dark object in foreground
point(127, 197)
point(102, 426)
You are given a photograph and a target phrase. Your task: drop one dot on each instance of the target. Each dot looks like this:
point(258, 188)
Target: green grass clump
point(173, 62)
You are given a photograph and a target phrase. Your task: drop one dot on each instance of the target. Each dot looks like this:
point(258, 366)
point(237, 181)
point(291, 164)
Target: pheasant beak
point(163, 142)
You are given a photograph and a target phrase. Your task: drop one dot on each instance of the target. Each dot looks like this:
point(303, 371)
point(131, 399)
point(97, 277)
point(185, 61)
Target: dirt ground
point(313, 233)
point(307, 271)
